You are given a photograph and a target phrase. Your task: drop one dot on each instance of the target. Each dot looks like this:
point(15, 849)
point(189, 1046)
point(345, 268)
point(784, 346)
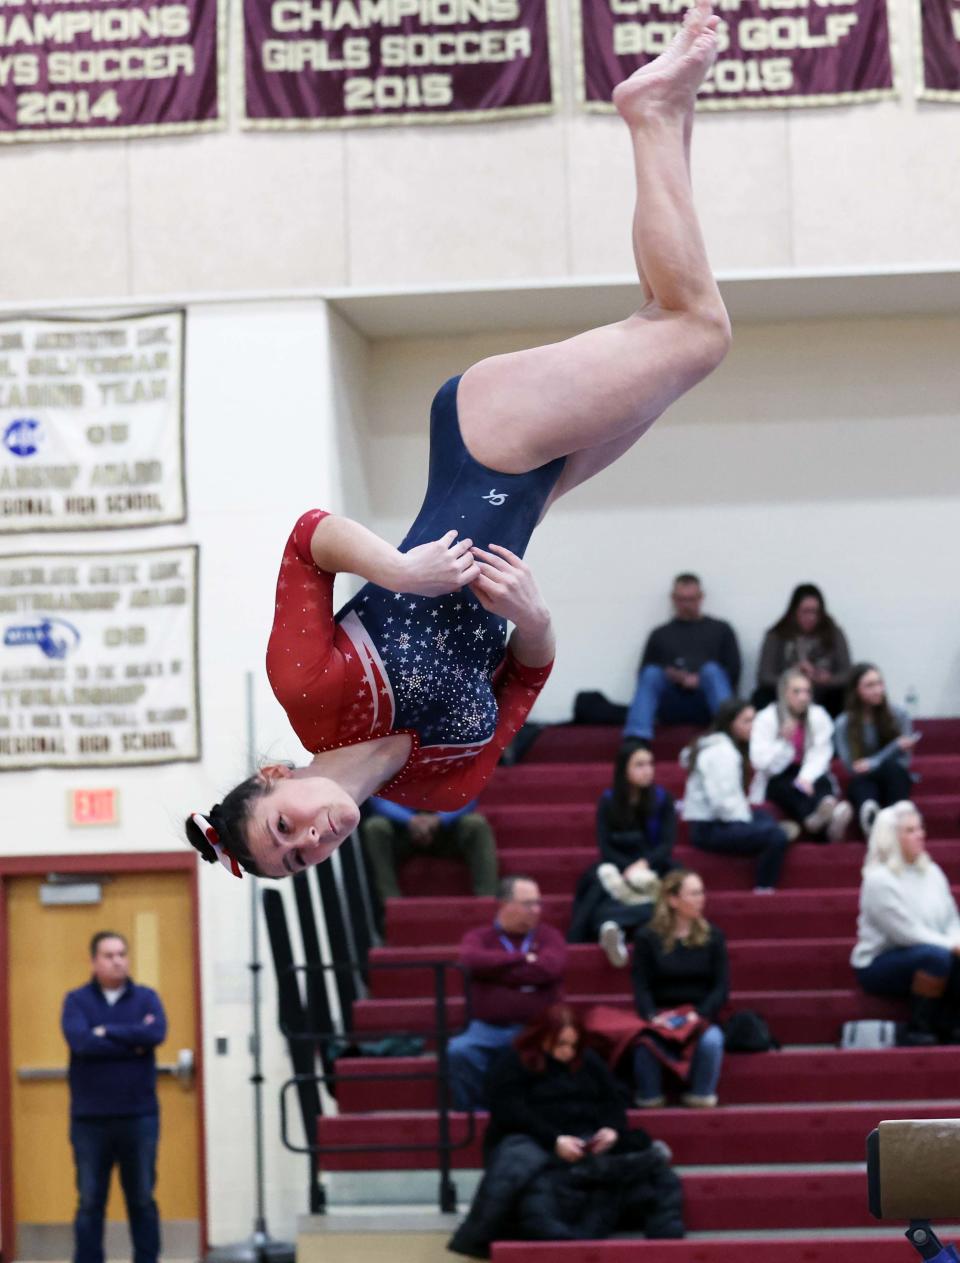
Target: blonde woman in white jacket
point(908, 930)
point(791, 747)
point(715, 800)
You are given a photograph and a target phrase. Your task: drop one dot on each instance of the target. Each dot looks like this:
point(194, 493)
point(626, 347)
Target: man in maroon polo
point(515, 970)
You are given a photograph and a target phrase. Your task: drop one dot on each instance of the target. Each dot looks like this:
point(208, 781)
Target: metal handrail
point(440, 1032)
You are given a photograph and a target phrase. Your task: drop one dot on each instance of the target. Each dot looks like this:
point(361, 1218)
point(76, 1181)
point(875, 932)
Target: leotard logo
point(495, 497)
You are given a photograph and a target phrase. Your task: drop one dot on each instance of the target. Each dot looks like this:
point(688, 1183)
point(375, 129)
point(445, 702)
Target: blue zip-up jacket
point(115, 1074)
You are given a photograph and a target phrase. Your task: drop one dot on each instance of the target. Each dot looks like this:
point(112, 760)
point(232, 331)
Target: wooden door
point(48, 955)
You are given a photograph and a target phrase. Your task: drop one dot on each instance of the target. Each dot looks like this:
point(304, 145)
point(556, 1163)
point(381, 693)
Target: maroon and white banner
point(73, 69)
point(939, 77)
point(772, 52)
point(344, 63)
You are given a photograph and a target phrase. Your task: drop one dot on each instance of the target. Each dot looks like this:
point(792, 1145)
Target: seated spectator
point(559, 1161)
point(515, 970)
point(689, 666)
point(874, 741)
point(715, 802)
point(805, 637)
point(680, 959)
point(390, 833)
point(791, 746)
point(636, 830)
point(908, 930)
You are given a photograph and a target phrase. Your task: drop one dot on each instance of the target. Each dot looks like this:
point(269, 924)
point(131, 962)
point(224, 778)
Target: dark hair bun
point(197, 839)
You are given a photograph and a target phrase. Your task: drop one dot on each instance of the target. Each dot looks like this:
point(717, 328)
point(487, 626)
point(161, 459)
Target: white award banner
point(98, 658)
point(91, 423)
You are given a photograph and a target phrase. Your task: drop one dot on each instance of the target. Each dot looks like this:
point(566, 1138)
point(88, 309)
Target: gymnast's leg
point(593, 395)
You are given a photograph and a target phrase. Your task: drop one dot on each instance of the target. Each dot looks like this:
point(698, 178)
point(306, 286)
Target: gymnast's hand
point(445, 565)
point(506, 586)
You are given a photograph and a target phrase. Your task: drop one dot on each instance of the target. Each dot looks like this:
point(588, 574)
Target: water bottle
point(911, 700)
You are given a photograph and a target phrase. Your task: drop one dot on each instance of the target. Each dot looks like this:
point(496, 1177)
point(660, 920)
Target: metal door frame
point(113, 862)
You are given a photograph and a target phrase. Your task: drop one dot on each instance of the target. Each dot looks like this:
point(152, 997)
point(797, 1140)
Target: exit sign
point(92, 807)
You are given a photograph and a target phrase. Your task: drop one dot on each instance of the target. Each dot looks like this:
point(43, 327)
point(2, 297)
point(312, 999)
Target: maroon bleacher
point(789, 954)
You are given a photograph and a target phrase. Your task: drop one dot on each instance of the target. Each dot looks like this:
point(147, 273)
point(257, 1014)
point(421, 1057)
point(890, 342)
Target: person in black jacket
point(560, 1162)
point(636, 831)
point(679, 959)
point(636, 819)
point(689, 666)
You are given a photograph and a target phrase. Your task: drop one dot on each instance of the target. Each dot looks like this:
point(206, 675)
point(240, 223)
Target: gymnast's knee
point(711, 334)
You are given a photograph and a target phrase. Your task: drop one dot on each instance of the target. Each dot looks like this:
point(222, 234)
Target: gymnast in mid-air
point(411, 690)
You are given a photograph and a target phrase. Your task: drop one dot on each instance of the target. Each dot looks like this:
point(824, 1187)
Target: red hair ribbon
point(211, 835)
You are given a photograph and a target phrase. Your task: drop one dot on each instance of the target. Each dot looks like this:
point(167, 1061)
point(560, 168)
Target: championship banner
point(773, 53)
point(78, 69)
point(91, 423)
point(350, 63)
point(98, 659)
point(939, 54)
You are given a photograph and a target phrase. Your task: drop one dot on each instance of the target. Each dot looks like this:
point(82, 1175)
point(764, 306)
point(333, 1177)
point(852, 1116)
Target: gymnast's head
point(274, 824)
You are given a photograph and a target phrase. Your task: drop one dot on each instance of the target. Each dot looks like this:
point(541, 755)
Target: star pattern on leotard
point(439, 659)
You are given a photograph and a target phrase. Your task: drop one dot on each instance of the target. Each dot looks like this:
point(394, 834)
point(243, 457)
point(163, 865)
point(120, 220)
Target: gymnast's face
point(298, 822)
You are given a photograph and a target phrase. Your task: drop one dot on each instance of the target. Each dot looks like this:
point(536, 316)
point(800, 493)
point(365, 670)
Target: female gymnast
point(407, 691)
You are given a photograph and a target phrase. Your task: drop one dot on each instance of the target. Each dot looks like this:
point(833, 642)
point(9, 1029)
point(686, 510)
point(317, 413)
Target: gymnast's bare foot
point(667, 86)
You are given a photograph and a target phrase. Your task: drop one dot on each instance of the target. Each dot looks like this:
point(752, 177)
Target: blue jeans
point(99, 1143)
point(761, 836)
point(657, 698)
point(470, 1055)
point(892, 972)
point(704, 1072)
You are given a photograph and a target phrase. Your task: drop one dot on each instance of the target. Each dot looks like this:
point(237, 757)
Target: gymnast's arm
point(444, 565)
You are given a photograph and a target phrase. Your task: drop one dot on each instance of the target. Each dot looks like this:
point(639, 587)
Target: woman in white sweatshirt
point(908, 931)
point(791, 746)
point(715, 799)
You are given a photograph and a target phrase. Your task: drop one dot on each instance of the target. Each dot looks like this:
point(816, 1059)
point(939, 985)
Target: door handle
point(182, 1070)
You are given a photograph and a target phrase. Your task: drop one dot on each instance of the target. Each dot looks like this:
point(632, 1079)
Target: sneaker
point(821, 816)
point(839, 822)
point(614, 944)
point(791, 829)
point(664, 1150)
point(649, 1102)
point(699, 1102)
point(868, 813)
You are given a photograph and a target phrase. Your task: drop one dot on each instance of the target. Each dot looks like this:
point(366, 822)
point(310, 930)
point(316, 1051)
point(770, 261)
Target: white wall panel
point(225, 212)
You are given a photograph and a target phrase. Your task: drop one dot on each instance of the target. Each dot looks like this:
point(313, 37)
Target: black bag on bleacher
point(747, 1031)
point(593, 708)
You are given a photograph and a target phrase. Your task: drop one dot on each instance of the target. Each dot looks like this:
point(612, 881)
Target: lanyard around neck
point(511, 947)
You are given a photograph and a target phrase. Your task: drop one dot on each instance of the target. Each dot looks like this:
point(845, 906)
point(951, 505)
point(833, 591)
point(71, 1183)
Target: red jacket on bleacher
point(505, 987)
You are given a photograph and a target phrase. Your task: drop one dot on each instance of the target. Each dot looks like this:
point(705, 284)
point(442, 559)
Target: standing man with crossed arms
point(112, 1026)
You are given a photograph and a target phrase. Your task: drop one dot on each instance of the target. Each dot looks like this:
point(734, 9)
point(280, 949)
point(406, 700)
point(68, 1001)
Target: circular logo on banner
point(54, 637)
point(23, 436)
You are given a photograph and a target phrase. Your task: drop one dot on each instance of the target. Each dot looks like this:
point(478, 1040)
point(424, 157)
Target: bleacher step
point(728, 1135)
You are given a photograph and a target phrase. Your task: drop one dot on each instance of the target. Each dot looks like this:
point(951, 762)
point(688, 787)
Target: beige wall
point(824, 451)
point(852, 186)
